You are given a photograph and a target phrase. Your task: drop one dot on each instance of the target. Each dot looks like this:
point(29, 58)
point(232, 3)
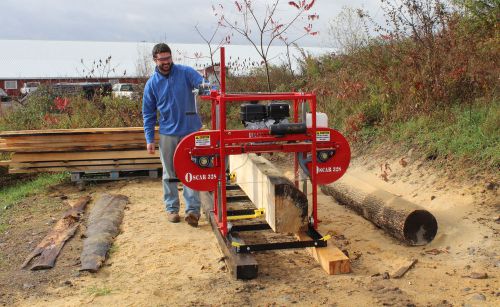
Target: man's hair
point(159, 48)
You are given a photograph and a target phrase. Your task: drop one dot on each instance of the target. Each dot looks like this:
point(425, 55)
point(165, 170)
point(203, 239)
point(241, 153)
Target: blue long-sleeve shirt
point(172, 96)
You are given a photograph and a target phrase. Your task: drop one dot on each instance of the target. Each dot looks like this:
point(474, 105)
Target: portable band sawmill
point(209, 160)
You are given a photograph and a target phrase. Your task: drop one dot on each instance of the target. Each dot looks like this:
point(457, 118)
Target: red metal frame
point(228, 139)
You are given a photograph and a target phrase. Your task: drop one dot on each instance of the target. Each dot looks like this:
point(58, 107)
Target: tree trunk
point(103, 226)
point(400, 218)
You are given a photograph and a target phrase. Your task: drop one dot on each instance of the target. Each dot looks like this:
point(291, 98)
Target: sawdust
point(156, 263)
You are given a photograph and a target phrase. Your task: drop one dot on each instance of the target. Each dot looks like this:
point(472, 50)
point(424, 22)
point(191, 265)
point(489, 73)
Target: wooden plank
point(7, 134)
point(99, 168)
point(82, 156)
point(74, 147)
point(51, 245)
point(241, 266)
point(37, 139)
point(285, 206)
point(331, 259)
point(403, 269)
point(80, 163)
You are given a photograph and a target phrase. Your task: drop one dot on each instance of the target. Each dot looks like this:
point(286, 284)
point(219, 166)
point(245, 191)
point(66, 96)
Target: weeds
point(12, 195)
point(98, 291)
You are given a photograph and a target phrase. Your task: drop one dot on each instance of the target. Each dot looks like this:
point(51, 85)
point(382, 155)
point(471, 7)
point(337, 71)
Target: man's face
point(164, 62)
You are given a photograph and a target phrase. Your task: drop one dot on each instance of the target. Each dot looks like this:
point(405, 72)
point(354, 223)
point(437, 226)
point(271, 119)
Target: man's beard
point(165, 67)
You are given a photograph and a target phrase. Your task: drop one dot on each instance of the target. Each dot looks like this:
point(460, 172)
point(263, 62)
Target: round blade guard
point(200, 172)
point(336, 165)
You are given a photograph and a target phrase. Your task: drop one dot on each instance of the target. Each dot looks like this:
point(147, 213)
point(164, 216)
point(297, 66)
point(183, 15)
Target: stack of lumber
point(77, 150)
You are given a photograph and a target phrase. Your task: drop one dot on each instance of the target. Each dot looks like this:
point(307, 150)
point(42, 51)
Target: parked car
point(88, 89)
point(127, 90)
point(4, 96)
point(29, 87)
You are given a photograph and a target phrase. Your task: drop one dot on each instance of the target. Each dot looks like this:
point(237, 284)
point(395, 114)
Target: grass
point(98, 291)
point(471, 134)
point(12, 195)
point(114, 248)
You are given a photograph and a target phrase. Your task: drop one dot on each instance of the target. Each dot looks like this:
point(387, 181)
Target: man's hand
point(151, 148)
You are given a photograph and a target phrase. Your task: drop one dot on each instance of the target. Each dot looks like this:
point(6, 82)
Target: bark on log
point(284, 205)
point(103, 226)
point(399, 217)
point(53, 242)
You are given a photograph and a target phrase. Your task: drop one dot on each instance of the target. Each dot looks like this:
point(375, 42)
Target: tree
point(347, 31)
point(209, 41)
point(98, 69)
point(262, 27)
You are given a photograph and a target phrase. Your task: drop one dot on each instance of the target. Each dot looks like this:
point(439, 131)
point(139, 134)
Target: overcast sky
point(172, 21)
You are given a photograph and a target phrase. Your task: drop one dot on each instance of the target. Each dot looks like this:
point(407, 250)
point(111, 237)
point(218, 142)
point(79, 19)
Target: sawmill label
point(323, 136)
point(197, 177)
point(328, 169)
point(202, 140)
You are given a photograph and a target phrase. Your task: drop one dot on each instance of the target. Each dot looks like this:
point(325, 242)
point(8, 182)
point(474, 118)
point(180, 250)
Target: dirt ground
point(156, 263)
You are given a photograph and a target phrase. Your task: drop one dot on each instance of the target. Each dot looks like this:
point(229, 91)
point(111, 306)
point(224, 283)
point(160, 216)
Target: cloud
point(131, 20)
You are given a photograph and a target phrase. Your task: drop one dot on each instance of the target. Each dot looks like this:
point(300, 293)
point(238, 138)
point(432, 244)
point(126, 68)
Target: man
point(169, 92)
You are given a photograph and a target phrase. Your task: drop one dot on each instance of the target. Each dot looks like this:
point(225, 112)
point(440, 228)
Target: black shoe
point(192, 219)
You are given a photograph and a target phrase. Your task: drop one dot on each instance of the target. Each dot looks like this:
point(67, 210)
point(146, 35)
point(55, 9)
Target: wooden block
point(285, 206)
point(331, 259)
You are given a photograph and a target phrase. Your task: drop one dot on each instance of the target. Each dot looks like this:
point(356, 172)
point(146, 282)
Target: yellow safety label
point(323, 136)
point(202, 140)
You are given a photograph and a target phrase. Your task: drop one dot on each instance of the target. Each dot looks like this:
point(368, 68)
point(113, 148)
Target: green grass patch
point(465, 133)
point(12, 195)
point(98, 291)
point(114, 248)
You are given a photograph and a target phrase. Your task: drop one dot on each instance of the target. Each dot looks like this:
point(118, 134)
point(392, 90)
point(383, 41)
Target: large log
point(284, 205)
point(103, 226)
point(399, 217)
point(51, 245)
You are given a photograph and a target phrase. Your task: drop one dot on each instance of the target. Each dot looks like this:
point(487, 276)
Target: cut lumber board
point(104, 168)
point(73, 148)
point(285, 206)
point(399, 217)
point(82, 156)
point(6, 134)
point(5, 162)
point(403, 269)
point(80, 163)
point(51, 245)
point(331, 259)
point(103, 226)
point(37, 139)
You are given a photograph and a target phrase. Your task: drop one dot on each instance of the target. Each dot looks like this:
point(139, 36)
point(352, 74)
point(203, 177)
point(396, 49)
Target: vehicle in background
point(29, 87)
point(4, 96)
point(88, 89)
point(126, 90)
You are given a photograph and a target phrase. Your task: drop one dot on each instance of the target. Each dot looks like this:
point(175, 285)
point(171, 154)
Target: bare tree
point(212, 49)
point(144, 66)
point(262, 28)
point(347, 31)
point(98, 69)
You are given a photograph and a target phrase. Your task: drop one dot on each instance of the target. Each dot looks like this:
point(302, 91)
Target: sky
point(146, 20)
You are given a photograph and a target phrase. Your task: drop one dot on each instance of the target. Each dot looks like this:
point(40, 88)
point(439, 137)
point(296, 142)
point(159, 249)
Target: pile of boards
point(77, 150)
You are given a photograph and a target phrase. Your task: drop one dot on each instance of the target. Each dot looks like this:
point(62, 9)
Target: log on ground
point(399, 217)
point(285, 206)
point(103, 226)
point(51, 245)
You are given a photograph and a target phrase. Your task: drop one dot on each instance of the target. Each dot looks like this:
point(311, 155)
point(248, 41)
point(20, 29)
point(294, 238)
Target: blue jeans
point(168, 143)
